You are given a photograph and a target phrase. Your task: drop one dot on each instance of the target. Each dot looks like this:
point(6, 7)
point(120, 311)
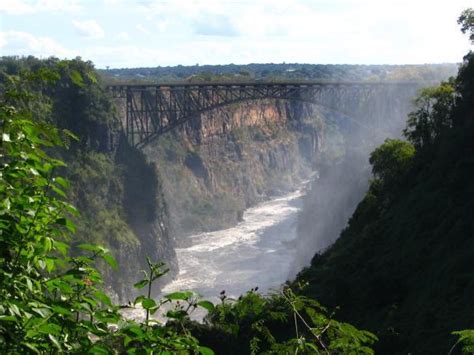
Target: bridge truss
point(152, 110)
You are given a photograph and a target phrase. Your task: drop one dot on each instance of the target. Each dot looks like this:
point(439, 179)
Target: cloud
point(23, 43)
point(224, 31)
point(123, 36)
point(142, 29)
point(89, 29)
point(215, 26)
point(21, 7)
point(14, 7)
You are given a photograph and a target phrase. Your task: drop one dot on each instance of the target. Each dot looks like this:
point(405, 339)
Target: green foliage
point(112, 184)
point(466, 340)
point(42, 289)
point(281, 323)
point(466, 20)
point(432, 116)
point(52, 301)
point(391, 161)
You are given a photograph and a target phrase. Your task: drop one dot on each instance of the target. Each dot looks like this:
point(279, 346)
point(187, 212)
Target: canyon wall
point(223, 161)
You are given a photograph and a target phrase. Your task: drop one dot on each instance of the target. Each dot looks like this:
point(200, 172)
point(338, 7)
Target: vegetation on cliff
point(403, 267)
point(112, 185)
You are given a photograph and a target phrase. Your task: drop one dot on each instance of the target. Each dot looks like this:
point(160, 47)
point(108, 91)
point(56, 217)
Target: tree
point(391, 161)
point(432, 116)
point(466, 20)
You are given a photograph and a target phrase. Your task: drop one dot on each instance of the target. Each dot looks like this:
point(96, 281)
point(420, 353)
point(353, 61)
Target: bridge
point(152, 110)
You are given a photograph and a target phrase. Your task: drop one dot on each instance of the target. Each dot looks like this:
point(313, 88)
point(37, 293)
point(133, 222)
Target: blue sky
point(125, 33)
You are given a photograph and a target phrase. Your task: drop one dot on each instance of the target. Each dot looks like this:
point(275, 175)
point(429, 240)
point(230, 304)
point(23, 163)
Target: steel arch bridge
point(152, 110)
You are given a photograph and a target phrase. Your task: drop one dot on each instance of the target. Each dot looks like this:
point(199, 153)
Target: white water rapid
point(259, 251)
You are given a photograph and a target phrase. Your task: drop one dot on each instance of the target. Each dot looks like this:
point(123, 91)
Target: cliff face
point(225, 160)
point(122, 208)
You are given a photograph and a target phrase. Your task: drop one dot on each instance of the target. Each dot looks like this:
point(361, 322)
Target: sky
point(150, 33)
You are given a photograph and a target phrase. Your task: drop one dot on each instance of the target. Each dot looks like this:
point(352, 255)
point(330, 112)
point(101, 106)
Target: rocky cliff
point(225, 160)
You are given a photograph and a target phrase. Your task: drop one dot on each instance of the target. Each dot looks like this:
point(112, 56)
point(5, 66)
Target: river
point(259, 251)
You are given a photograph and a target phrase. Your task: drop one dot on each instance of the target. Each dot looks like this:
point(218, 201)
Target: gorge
point(225, 160)
point(239, 196)
point(240, 209)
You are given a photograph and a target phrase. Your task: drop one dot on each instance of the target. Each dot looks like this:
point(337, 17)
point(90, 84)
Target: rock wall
point(223, 161)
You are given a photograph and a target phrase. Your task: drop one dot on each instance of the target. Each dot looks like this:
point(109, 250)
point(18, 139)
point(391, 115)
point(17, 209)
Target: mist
point(343, 172)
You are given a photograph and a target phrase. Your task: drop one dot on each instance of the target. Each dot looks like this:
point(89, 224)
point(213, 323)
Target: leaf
point(91, 76)
point(41, 264)
point(63, 182)
point(102, 297)
point(76, 78)
point(313, 347)
point(47, 244)
point(111, 261)
point(58, 191)
point(31, 347)
point(61, 310)
point(54, 341)
point(108, 317)
point(70, 208)
point(71, 135)
point(43, 312)
point(49, 329)
point(207, 305)
point(68, 224)
point(205, 350)
point(138, 299)
point(135, 330)
point(96, 349)
point(29, 284)
point(141, 284)
point(50, 264)
point(90, 247)
point(61, 247)
point(148, 303)
point(179, 314)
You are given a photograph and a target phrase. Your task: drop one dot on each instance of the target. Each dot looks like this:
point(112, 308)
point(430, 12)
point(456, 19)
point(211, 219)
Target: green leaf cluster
point(279, 323)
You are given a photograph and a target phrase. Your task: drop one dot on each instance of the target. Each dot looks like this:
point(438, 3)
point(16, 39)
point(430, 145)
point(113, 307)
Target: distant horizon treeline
point(294, 71)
